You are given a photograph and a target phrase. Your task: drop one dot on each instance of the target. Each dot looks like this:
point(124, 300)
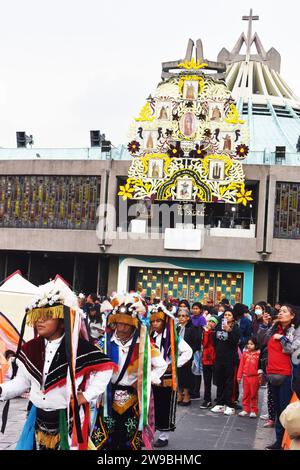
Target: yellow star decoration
point(192, 65)
point(126, 192)
point(244, 196)
point(145, 114)
point(233, 116)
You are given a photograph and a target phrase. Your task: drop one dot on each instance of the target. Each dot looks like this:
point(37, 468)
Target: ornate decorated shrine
point(188, 142)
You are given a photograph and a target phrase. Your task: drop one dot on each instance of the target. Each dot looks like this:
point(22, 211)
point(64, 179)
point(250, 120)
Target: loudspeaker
point(106, 146)
point(21, 139)
point(279, 154)
point(95, 138)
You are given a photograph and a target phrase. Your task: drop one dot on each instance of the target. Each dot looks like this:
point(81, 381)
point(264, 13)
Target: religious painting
point(190, 90)
point(215, 112)
point(184, 189)
point(226, 141)
point(163, 110)
point(188, 124)
point(216, 170)
point(156, 168)
point(149, 140)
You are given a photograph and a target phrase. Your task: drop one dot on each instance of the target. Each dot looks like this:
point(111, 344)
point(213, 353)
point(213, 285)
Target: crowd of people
point(138, 359)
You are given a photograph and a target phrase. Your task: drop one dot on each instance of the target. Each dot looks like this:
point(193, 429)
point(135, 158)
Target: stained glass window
point(67, 202)
point(287, 210)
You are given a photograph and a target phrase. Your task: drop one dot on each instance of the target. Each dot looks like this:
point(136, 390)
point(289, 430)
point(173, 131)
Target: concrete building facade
point(255, 255)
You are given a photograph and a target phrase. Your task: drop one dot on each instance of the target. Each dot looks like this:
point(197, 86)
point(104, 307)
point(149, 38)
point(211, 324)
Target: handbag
point(290, 419)
point(276, 379)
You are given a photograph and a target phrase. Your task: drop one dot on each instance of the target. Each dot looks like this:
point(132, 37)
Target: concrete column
point(117, 169)
point(261, 213)
point(98, 275)
point(277, 284)
point(260, 288)
point(271, 213)
point(113, 274)
point(29, 267)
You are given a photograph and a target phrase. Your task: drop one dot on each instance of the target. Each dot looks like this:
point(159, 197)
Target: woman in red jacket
point(251, 374)
point(281, 339)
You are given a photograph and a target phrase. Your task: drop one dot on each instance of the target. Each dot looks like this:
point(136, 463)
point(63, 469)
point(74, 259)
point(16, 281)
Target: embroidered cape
point(89, 359)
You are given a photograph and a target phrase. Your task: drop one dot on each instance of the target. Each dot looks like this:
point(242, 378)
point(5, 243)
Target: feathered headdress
point(57, 300)
point(130, 309)
point(161, 312)
point(124, 313)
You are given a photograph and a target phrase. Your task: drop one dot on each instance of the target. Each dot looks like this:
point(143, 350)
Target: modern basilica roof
point(262, 95)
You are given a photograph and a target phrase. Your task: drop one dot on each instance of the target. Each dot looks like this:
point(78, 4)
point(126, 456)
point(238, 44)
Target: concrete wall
point(88, 242)
point(35, 239)
point(113, 274)
point(260, 288)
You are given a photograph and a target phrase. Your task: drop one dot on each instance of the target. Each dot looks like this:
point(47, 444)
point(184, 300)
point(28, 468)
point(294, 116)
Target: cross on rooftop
point(249, 18)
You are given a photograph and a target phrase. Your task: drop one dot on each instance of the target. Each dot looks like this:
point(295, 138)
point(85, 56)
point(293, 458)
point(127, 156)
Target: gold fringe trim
point(120, 409)
point(167, 383)
point(44, 313)
point(123, 318)
point(157, 316)
point(47, 440)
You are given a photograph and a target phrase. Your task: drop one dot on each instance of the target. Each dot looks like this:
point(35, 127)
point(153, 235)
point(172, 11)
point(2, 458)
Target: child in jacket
point(249, 370)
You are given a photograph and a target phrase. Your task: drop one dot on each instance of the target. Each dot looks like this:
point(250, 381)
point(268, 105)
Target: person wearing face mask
point(221, 310)
point(257, 317)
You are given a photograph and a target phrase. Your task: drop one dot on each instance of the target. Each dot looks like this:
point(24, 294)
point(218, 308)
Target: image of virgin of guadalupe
point(188, 124)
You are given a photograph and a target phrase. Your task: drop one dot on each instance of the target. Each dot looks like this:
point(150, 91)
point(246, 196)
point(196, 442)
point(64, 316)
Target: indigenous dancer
point(62, 371)
point(176, 354)
point(123, 419)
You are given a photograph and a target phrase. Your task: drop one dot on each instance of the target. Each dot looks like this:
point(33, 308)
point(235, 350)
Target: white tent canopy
point(17, 283)
point(16, 293)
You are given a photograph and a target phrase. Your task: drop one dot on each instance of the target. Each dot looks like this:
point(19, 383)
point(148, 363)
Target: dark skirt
point(185, 376)
point(165, 400)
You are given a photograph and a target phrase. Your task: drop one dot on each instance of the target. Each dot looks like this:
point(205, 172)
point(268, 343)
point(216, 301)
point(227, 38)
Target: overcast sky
point(68, 66)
